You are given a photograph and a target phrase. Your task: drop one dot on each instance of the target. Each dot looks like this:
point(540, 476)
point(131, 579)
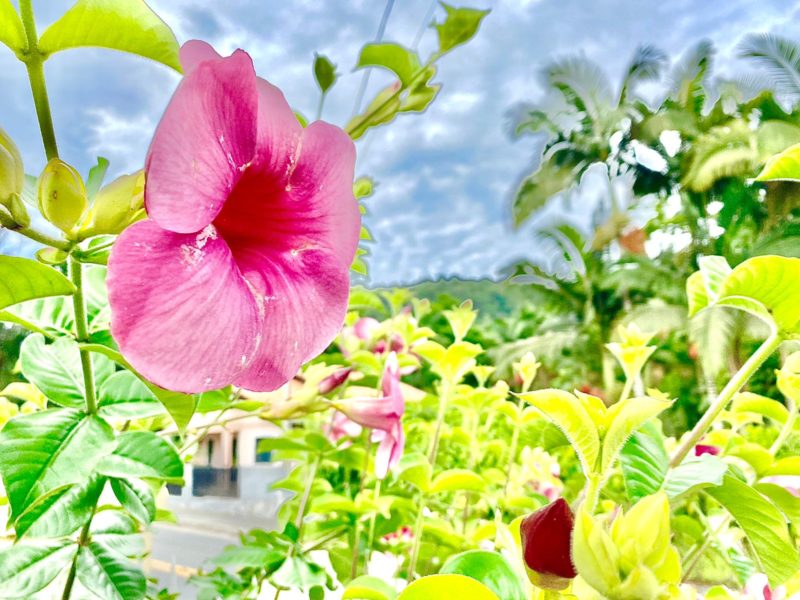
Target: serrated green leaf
point(125, 396)
point(570, 416)
point(12, 34)
point(455, 480)
point(125, 25)
point(764, 526)
point(109, 575)
point(27, 568)
point(644, 462)
point(143, 454)
point(136, 497)
point(459, 27)
point(399, 60)
point(60, 512)
point(624, 418)
point(43, 451)
point(56, 369)
point(22, 279)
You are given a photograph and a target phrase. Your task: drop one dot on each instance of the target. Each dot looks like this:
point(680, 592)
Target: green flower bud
point(12, 172)
point(116, 206)
point(62, 195)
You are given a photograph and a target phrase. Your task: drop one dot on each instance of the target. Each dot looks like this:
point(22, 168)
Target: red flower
point(547, 545)
point(701, 449)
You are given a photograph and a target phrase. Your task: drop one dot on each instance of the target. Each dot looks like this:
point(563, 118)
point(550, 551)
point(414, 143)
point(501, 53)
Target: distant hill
point(492, 297)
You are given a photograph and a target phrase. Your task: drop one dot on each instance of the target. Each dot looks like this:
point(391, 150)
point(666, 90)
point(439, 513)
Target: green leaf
point(368, 587)
point(43, 451)
point(282, 443)
point(764, 526)
point(328, 503)
point(768, 287)
point(136, 497)
point(572, 418)
point(254, 557)
point(447, 587)
point(324, 72)
point(95, 179)
point(489, 568)
point(694, 474)
point(782, 167)
point(56, 369)
point(23, 279)
point(125, 396)
point(143, 454)
point(626, 417)
point(12, 34)
point(415, 468)
point(29, 567)
point(459, 27)
point(125, 25)
point(60, 512)
point(399, 60)
point(456, 480)
point(785, 466)
point(296, 572)
point(644, 462)
point(118, 532)
point(109, 575)
point(786, 501)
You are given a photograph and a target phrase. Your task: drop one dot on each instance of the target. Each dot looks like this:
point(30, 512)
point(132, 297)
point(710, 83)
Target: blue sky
point(441, 208)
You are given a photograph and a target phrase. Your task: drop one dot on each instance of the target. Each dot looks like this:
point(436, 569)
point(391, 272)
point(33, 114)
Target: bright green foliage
point(127, 25)
point(644, 462)
point(401, 61)
point(764, 526)
point(784, 166)
point(459, 27)
point(324, 72)
point(447, 587)
point(22, 279)
point(490, 569)
point(26, 568)
point(12, 34)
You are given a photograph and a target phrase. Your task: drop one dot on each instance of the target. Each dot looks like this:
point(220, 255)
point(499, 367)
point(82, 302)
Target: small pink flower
point(757, 588)
point(701, 449)
point(335, 380)
point(397, 345)
point(383, 415)
point(240, 274)
point(342, 427)
point(365, 328)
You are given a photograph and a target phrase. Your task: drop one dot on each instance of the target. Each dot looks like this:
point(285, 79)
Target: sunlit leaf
point(125, 25)
point(23, 279)
point(12, 34)
point(26, 568)
point(782, 167)
point(143, 454)
point(447, 587)
point(455, 480)
point(399, 60)
point(644, 462)
point(459, 27)
point(62, 511)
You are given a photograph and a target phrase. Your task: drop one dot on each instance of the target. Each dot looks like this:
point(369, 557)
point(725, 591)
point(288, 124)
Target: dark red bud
point(701, 449)
point(331, 382)
point(547, 540)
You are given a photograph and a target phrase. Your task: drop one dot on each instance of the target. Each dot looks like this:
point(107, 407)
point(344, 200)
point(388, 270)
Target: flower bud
point(62, 195)
point(116, 206)
point(546, 537)
point(12, 172)
point(331, 382)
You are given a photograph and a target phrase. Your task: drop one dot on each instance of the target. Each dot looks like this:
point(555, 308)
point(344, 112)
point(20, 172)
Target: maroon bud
point(701, 449)
point(331, 382)
point(547, 544)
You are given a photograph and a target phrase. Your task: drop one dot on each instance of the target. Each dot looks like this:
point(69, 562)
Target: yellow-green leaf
point(11, 32)
point(456, 480)
point(447, 587)
point(23, 279)
point(624, 418)
point(125, 25)
point(784, 166)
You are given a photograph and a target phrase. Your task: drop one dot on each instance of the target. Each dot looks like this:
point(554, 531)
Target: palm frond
point(779, 56)
point(646, 64)
point(689, 75)
point(582, 82)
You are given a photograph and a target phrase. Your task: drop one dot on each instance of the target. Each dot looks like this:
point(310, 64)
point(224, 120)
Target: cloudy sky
point(441, 208)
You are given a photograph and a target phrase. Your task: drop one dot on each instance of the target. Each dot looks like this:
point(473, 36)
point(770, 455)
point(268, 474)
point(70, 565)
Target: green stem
point(357, 528)
point(320, 105)
point(373, 520)
point(301, 510)
point(73, 570)
point(82, 333)
point(34, 62)
point(592, 493)
point(626, 389)
point(9, 223)
point(512, 455)
point(787, 428)
point(443, 400)
point(412, 563)
point(733, 386)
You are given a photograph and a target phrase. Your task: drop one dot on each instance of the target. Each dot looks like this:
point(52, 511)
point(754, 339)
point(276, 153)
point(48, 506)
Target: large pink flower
point(241, 272)
point(383, 415)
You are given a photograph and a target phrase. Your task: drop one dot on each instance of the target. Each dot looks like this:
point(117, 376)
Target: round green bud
point(62, 195)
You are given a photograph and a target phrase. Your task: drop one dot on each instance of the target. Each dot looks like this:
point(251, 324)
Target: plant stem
point(82, 333)
point(357, 528)
point(733, 386)
point(592, 491)
point(9, 223)
point(34, 62)
point(512, 455)
point(791, 407)
point(301, 510)
point(443, 400)
point(626, 390)
point(73, 570)
point(412, 563)
point(373, 520)
point(320, 105)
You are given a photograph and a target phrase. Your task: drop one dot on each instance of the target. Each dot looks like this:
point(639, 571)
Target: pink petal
point(279, 132)
point(181, 312)
point(303, 296)
point(390, 450)
point(204, 141)
point(194, 52)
